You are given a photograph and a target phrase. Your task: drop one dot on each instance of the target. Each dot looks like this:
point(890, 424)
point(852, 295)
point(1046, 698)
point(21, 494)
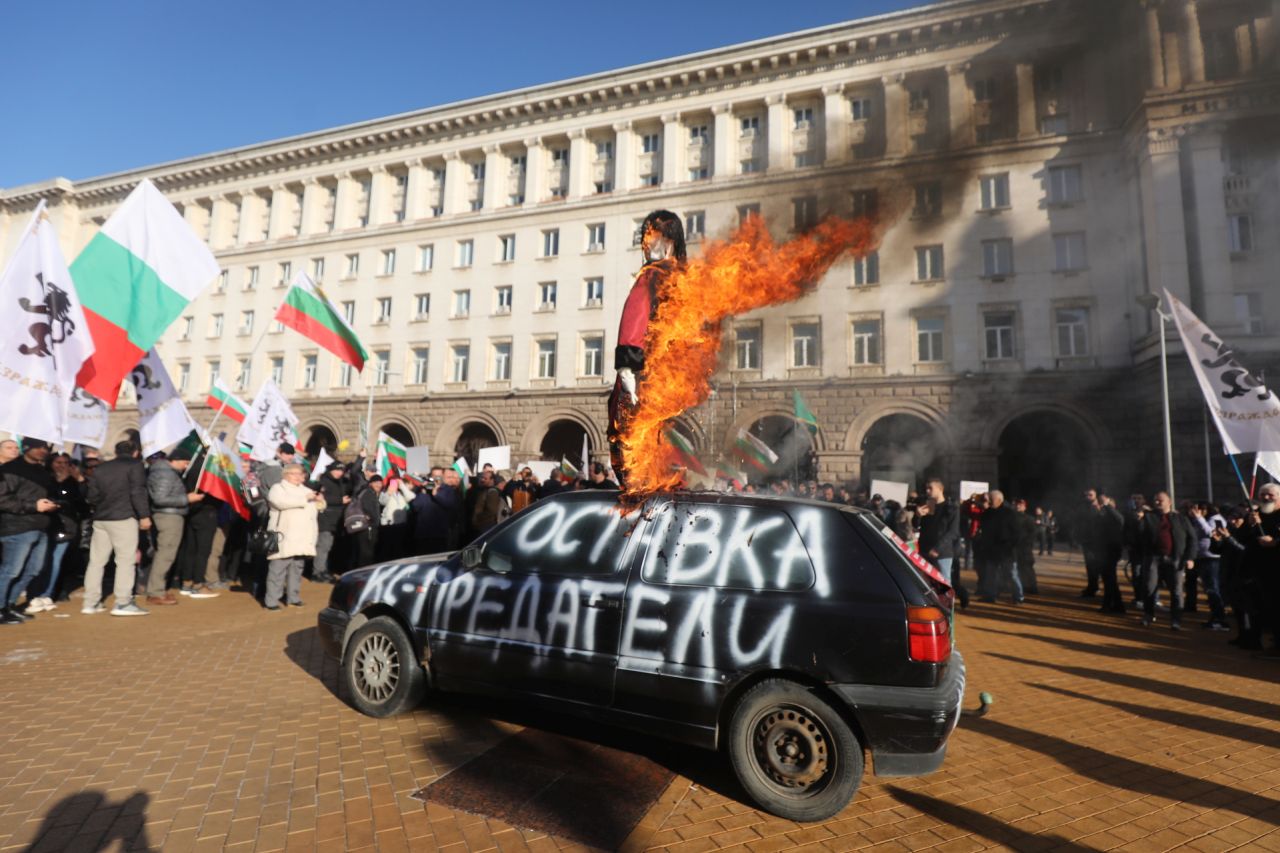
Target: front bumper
point(332, 625)
point(907, 727)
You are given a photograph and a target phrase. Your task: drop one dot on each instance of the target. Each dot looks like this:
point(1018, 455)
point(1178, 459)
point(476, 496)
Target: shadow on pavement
point(304, 649)
point(89, 821)
point(1120, 772)
point(990, 828)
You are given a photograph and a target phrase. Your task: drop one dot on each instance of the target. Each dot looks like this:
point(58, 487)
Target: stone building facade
point(1034, 166)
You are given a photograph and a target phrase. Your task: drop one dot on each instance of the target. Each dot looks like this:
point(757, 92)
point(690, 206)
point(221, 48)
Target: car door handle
point(602, 602)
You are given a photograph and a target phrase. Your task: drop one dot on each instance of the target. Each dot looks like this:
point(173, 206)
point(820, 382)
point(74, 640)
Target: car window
point(735, 547)
point(560, 537)
point(924, 572)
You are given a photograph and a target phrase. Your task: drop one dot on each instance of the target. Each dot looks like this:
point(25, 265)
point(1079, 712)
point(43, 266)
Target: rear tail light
point(929, 634)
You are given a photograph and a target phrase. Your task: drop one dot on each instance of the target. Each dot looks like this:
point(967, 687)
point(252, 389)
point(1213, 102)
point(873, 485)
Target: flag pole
point(368, 420)
point(1253, 483)
point(1239, 476)
point(1208, 465)
point(262, 336)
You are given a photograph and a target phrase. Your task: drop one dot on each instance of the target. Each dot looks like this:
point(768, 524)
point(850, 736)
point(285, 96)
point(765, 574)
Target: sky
point(98, 87)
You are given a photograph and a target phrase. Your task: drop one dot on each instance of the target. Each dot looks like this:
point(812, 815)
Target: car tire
point(380, 669)
point(794, 753)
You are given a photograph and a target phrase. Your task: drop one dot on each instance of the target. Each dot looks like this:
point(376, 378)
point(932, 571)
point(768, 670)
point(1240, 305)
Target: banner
point(87, 418)
point(498, 457)
point(262, 428)
point(1246, 413)
point(162, 418)
point(323, 461)
point(418, 460)
point(46, 338)
point(891, 491)
point(970, 487)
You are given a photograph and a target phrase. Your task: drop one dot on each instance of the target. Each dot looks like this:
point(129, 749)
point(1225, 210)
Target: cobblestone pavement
point(215, 725)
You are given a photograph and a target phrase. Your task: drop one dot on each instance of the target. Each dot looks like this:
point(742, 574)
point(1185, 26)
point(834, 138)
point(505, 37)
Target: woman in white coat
point(294, 511)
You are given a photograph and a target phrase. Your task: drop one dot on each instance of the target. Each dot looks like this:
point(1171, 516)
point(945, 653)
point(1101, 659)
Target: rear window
point(734, 547)
point(922, 569)
point(562, 537)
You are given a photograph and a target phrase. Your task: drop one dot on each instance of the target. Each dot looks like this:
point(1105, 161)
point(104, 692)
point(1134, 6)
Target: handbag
point(264, 541)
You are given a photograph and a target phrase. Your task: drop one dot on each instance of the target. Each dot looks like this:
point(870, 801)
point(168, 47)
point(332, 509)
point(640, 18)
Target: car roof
point(708, 497)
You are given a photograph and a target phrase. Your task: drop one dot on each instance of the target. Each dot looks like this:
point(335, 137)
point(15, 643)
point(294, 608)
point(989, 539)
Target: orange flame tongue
point(682, 347)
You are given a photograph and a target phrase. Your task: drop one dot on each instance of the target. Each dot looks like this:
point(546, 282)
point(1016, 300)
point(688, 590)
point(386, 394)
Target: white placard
point(968, 487)
point(541, 470)
point(417, 460)
point(891, 491)
point(498, 457)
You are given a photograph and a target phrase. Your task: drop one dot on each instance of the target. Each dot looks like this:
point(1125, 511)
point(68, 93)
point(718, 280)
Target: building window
point(420, 363)
point(184, 377)
point(1065, 184)
point(928, 199)
point(309, 371)
point(381, 367)
point(866, 342)
point(929, 263)
point(595, 237)
point(388, 261)
point(593, 355)
point(460, 362)
point(866, 270)
point(399, 196)
point(286, 273)
point(187, 323)
point(593, 292)
point(695, 225)
point(998, 328)
point(1249, 313)
point(1048, 79)
point(506, 248)
point(602, 187)
point(805, 212)
point(804, 345)
point(929, 339)
point(466, 253)
point(349, 311)
point(651, 180)
point(745, 211)
point(275, 328)
point(353, 265)
point(220, 286)
point(997, 258)
point(251, 278)
point(918, 100)
point(750, 126)
point(747, 340)
point(802, 118)
point(1072, 325)
point(1240, 229)
point(1069, 252)
point(861, 108)
point(604, 149)
point(317, 269)
point(426, 257)
point(1054, 125)
point(698, 134)
point(277, 369)
point(384, 310)
point(699, 173)
point(650, 143)
point(804, 158)
point(215, 325)
point(215, 371)
point(502, 299)
point(865, 203)
point(547, 359)
point(246, 323)
point(421, 306)
point(551, 243)
point(984, 90)
point(363, 199)
point(994, 191)
point(500, 357)
point(461, 303)
point(345, 373)
point(546, 296)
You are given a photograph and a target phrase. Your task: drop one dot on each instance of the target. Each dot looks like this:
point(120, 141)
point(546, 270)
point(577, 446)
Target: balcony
point(982, 113)
point(858, 130)
point(650, 164)
point(804, 139)
point(515, 182)
point(750, 147)
point(698, 155)
point(602, 170)
point(1238, 190)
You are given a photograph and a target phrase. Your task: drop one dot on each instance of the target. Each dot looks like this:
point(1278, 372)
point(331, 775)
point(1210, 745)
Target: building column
point(579, 164)
point(1244, 49)
point(624, 157)
point(281, 215)
point(1216, 306)
point(1026, 81)
point(895, 114)
point(960, 105)
point(495, 178)
point(344, 202)
point(534, 170)
point(220, 221)
point(673, 143)
point(419, 179)
point(1155, 45)
point(722, 140)
point(313, 198)
point(1164, 225)
point(779, 133)
point(453, 197)
point(250, 218)
point(192, 214)
point(380, 181)
point(836, 116)
point(1195, 43)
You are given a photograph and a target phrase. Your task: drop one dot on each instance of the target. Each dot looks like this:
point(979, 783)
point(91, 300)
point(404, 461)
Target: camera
point(430, 482)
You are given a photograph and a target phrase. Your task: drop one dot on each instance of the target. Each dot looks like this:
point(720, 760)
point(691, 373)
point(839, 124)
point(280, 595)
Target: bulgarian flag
point(135, 278)
point(464, 471)
point(566, 467)
point(221, 476)
point(754, 451)
point(685, 451)
point(308, 312)
point(391, 453)
point(220, 398)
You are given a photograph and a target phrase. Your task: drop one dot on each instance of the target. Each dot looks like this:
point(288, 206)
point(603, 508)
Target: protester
point(997, 542)
point(294, 517)
point(1170, 546)
point(395, 529)
point(9, 451)
point(170, 502)
point(197, 535)
point(522, 490)
point(364, 543)
point(1084, 528)
point(26, 516)
point(271, 471)
point(336, 494)
point(64, 532)
point(1108, 538)
point(1205, 519)
point(1024, 561)
point(118, 495)
point(487, 507)
point(437, 513)
point(599, 478)
point(940, 535)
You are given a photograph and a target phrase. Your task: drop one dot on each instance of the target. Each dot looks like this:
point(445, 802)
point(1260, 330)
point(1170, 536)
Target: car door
point(541, 612)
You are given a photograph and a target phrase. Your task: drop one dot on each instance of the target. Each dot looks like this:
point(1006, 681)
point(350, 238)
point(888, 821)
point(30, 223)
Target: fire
point(682, 346)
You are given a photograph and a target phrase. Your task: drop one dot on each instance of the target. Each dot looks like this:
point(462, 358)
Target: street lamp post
point(1151, 302)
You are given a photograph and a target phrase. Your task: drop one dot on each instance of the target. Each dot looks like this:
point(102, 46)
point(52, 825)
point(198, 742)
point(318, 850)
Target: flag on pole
point(221, 398)
point(46, 338)
point(221, 477)
point(1246, 413)
point(684, 451)
point(135, 277)
point(464, 471)
point(1269, 461)
point(323, 461)
point(586, 458)
point(566, 467)
point(309, 312)
point(803, 413)
point(754, 451)
point(87, 419)
point(262, 422)
point(391, 453)
point(162, 418)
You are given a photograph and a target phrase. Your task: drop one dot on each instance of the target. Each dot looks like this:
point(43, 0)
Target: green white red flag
point(464, 471)
point(135, 278)
point(309, 312)
point(684, 451)
point(391, 453)
point(222, 477)
point(221, 398)
point(754, 451)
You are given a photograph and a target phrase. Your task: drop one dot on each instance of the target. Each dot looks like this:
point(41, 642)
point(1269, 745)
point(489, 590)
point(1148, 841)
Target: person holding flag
point(118, 495)
point(294, 513)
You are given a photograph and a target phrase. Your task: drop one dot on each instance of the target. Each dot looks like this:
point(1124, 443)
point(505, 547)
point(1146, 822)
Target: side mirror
point(472, 557)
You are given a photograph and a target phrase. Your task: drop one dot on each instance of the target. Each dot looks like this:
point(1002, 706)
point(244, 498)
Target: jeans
point(55, 566)
point(23, 557)
point(1211, 578)
point(324, 544)
point(1002, 572)
point(1163, 569)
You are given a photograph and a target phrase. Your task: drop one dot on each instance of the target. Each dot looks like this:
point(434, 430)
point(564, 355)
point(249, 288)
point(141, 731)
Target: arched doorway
point(474, 436)
point(564, 440)
point(1046, 458)
point(399, 432)
point(901, 448)
point(319, 437)
point(789, 440)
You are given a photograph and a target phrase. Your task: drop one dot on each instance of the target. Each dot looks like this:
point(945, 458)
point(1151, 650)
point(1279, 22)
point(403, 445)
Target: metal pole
point(368, 421)
point(1168, 428)
point(1208, 466)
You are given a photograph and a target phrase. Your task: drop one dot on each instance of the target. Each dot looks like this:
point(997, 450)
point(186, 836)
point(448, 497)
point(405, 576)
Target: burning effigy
point(682, 341)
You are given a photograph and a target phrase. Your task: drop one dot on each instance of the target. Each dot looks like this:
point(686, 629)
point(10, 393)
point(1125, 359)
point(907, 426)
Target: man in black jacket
point(998, 537)
point(940, 534)
point(170, 501)
point(336, 496)
point(1108, 538)
point(118, 495)
point(26, 514)
point(1170, 547)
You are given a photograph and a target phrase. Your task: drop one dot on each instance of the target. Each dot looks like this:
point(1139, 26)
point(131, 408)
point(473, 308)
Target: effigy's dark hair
point(668, 225)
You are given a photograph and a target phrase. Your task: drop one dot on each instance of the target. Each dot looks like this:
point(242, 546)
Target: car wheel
point(381, 671)
point(793, 753)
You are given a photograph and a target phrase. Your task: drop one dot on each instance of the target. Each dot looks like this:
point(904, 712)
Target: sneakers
point(40, 604)
point(128, 609)
point(161, 600)
point(8, 617)
point(90, 609)
point(201, 591)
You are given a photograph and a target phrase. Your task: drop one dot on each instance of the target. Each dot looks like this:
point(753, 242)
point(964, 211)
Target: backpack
point(354, 518)
point(520, 498)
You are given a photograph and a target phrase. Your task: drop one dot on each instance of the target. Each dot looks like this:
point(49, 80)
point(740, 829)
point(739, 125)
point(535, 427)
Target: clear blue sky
point(93, 87)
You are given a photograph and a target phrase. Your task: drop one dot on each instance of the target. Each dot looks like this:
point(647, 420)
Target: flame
point(682, 347)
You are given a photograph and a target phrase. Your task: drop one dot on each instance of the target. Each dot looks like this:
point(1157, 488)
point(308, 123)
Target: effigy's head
point(662, 237)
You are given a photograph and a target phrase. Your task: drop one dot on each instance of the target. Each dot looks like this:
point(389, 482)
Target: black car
point(793, 634)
